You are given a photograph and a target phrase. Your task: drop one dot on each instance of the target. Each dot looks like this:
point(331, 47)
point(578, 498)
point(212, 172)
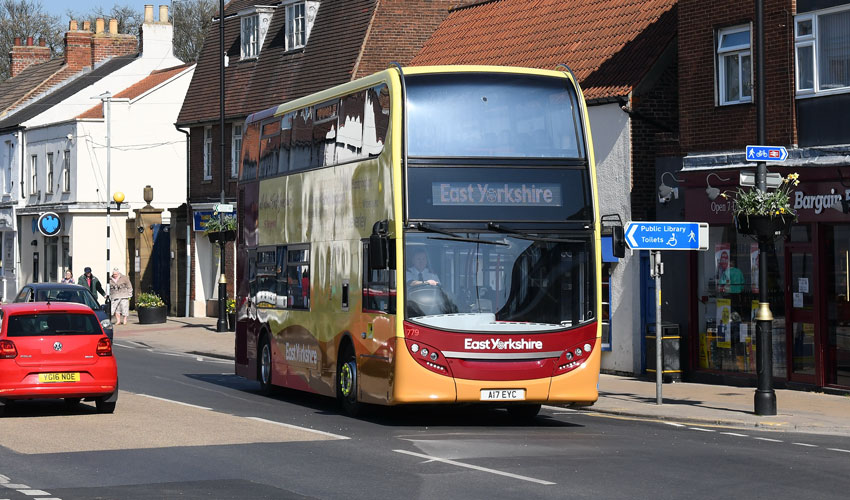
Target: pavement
point(697, 404)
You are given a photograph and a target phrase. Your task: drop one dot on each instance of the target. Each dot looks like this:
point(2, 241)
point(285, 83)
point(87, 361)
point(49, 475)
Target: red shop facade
point(808, 284)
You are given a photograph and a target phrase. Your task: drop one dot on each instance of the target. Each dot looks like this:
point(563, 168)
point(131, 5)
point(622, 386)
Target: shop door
point(802, 317)
point(837, 306)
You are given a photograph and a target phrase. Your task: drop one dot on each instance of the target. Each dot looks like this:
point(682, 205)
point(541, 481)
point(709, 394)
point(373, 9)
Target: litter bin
point(670, 340)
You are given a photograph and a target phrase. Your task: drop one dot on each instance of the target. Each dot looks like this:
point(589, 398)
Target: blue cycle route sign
point(667, 235)
point(766, 153)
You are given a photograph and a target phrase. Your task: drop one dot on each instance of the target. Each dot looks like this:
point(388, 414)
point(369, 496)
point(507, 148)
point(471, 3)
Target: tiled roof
point(65, 91)
point(17, 88)
point(277, 75)
point(609, 44)
point(139, 88)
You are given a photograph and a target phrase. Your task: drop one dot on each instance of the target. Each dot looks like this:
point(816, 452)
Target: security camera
point(70, 137)
point(141, 229)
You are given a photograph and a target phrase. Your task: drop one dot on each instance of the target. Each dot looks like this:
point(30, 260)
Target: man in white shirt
point(419, 274)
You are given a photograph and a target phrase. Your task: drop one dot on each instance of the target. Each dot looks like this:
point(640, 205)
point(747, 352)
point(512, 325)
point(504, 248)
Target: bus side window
point(324, 134)
point(379, 285)
point(349, 140)
point(285, 143)
point(250, 152)
point(376, 120)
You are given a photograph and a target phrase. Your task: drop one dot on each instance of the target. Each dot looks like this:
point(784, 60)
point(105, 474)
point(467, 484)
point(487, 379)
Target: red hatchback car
point(54, 350)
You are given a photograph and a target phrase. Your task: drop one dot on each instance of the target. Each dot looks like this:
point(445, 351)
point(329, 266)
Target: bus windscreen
point(492, 115)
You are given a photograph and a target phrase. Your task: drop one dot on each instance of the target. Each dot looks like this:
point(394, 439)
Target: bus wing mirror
point(618, 242)
point(378, 255)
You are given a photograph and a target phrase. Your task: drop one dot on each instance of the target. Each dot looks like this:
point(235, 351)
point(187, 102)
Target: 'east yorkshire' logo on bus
point(505, 344)
point(513, 194)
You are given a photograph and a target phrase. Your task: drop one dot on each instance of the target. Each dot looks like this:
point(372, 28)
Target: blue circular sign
point(49, 224)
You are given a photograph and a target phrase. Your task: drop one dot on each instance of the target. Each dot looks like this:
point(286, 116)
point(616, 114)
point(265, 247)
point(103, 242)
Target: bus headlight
point(414, 347)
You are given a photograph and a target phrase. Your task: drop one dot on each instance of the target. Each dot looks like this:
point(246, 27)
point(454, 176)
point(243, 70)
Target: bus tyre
point(523, 413)
point(264, 366)
point(346, 383)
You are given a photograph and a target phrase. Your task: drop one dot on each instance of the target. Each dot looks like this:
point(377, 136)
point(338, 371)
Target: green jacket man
point(91, 282)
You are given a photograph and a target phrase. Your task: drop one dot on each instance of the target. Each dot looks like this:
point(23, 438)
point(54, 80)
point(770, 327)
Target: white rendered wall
point(610, 128)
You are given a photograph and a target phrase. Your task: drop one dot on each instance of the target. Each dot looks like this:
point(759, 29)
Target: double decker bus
point(423, 235)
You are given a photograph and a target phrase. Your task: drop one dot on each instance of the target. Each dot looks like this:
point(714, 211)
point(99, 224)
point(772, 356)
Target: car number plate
point(502, 394)
point(59, 377)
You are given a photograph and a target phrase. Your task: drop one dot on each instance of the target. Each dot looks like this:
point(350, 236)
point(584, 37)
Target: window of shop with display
point(727, 294)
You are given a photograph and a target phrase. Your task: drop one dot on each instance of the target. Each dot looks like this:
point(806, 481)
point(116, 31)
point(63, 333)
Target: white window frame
point(296, 25)
point(811, 40)
point(33, 174)
point(66, 171)
point(236, 131)
point(7, 172)
point(207, 153)
point(250, 36)
point(740, 51)
point(49, 166)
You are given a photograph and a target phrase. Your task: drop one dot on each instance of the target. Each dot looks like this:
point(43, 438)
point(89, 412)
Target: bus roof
point(385, 75)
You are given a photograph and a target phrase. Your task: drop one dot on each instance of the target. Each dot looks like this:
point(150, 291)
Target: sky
point(60, 7)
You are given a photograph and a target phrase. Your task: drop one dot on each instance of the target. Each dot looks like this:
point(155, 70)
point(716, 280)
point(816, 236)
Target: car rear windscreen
point(34, 325)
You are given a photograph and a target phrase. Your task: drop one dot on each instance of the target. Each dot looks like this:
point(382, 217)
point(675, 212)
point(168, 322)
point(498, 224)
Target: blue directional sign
point(667, 235)
point(766, 153)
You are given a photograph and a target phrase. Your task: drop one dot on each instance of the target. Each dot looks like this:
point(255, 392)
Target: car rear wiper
point(525, 236)
point(422, 226)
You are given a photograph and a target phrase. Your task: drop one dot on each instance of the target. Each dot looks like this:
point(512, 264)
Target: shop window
point(822, 46)
point(728, 298)
point(734, 65)
point(379, 285)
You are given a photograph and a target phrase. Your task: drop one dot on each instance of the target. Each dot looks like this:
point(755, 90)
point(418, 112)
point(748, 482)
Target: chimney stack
point(113, 26)
point(86, 25)
point(163, 13)
point(98, 26)
point(156, 36)
point(72, 26)
point(148, 13)
point(23, 56)
point(107, 44)
point(78, 46)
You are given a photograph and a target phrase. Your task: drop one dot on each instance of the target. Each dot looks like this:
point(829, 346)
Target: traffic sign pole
point(656, 272)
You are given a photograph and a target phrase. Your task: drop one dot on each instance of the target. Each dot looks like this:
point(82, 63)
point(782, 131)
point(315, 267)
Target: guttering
point(188, 221)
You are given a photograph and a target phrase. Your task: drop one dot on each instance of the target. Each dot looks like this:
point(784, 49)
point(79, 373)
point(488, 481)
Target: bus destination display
point(514, 194)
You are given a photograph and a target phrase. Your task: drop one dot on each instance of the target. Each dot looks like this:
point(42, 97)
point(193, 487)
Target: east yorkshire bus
point(423, 235)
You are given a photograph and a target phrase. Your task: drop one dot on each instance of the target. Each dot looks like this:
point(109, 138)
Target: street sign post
point(646, 235)
point(658, 236)
point(766, 153)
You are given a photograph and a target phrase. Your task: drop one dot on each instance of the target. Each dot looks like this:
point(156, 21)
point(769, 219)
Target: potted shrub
point(221, 228)
point(151, 308)
point(765, 214)
point(231, 315)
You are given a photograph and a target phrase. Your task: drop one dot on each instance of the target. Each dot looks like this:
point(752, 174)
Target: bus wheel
point(264, 366)
point(346, 383)
point(523, 413)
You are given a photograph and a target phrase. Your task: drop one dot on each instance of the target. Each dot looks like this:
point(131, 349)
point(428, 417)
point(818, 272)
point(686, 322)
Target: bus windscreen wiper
point(525, 236)
point(422, 226)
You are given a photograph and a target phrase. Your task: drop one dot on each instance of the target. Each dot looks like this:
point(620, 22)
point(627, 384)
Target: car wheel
point(104, 406)
point(346, 382)
point(264, 366)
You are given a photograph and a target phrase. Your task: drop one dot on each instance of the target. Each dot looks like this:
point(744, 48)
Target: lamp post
point(765, 397)
point(221, 326)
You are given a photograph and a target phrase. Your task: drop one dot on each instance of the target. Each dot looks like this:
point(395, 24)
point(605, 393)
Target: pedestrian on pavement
point(69, 278)
point(120, 291)
point(91, 282)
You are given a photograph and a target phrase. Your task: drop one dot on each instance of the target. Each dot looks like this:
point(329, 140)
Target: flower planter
point(764, 226)
point(231, 322)
point(228, 235)
point(151, 315)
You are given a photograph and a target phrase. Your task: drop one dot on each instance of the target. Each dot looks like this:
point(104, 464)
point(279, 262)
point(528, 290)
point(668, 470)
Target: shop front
point(808, 280)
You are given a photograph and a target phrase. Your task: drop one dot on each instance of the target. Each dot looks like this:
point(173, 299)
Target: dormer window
point(299, 21)
point(250, 36)
point(254, 24)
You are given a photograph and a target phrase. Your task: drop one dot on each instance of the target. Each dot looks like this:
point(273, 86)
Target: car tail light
point(104, 347)
point(8, 349)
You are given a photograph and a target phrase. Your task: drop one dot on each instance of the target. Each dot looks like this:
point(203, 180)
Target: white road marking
point(674, 424)
point(838, 449)
point(735, 434)
point(290, 426)
point(768, 439)
point(806, 444)
point(475, 467)
point(701, 429)
point(16, 486)
point(34, 493)
point(176, 402)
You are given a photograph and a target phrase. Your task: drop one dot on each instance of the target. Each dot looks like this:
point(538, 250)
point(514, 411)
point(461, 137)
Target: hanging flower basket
point(229, 235)
point(764, 226)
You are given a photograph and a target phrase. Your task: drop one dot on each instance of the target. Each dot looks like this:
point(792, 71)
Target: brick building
point(807, 93)
point(276, 51)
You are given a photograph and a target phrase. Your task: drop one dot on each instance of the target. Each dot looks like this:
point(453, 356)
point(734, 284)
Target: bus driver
point(419, 273)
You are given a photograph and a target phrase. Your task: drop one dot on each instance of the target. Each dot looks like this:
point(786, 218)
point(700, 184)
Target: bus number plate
point(502, 394)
